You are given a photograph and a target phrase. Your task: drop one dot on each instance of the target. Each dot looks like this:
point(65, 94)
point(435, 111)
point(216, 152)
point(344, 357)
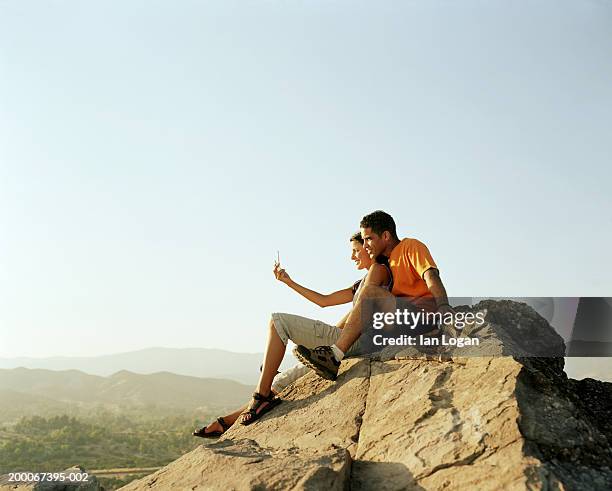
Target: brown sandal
point(256, 403)
point(213, 434)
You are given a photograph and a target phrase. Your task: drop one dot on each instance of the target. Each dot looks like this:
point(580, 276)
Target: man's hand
point(448, 325)
point(280, 274)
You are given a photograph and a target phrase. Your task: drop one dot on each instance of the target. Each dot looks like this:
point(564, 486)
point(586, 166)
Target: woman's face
point(360, 256)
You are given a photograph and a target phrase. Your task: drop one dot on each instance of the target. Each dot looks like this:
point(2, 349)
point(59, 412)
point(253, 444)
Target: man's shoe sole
point(317, 369)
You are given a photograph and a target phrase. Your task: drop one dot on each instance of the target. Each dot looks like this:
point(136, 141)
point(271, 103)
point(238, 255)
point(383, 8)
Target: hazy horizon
point(147, 348)
point(575, 367)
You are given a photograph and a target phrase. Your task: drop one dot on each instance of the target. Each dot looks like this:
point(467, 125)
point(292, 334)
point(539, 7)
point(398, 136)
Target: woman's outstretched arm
point(322, 300)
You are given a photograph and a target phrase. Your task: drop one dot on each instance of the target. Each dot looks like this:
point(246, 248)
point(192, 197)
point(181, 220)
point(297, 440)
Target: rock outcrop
point(408, 420)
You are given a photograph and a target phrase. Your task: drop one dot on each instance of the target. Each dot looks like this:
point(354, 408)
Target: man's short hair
point(379, 222)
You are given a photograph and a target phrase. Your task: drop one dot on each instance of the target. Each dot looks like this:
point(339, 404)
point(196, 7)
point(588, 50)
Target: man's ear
point(386, 235)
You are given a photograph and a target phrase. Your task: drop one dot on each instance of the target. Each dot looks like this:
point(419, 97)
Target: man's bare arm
point(434, 283)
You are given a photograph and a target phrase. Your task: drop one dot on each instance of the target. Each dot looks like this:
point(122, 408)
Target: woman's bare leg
point(273, 357)
point(275, 351)
point(230, 419)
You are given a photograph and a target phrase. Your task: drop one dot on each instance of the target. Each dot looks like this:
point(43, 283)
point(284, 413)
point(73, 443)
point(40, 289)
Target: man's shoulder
point(406, 248)
point(410, 242)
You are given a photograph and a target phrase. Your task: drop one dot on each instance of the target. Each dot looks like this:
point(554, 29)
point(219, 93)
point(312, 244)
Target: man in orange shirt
point(415, 276)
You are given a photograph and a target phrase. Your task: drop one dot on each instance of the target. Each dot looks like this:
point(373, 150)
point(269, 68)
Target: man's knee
point(375, 298)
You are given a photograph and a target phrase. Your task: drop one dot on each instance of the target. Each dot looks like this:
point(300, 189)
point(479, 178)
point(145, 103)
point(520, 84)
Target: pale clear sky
point(155, 155)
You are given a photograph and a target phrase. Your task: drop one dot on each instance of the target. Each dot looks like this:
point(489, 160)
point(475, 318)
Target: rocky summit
point(411, 420)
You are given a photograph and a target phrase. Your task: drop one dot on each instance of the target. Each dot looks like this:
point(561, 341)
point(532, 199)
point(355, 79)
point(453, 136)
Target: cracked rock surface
point(406, 420)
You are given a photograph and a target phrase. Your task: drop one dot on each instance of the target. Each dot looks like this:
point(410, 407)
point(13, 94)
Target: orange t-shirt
point(408, 261)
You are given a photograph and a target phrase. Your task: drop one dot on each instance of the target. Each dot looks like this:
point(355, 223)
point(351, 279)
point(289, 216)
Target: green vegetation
point(50, 421)
point(101, 441)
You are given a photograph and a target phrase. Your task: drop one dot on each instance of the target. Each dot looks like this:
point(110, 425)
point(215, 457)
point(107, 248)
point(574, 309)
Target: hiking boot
point(321, 360)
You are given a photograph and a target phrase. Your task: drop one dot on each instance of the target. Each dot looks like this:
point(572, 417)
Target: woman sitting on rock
point(300, 330)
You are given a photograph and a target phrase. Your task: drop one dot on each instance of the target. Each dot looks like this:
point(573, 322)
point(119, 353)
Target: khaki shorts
point(309, 332)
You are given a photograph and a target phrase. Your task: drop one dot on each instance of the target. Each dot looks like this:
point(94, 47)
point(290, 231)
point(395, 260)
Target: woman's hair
point(356, 237)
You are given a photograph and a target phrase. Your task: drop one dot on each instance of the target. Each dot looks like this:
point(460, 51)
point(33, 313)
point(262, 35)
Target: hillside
point(15, 404)
point(35, 391)
point(50, 419)
point(406, 419)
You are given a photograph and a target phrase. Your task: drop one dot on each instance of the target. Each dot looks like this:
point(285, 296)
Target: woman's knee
point(276, 331)
point(271, 325)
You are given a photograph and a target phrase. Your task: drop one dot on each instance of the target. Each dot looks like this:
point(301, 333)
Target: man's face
point(374, 244)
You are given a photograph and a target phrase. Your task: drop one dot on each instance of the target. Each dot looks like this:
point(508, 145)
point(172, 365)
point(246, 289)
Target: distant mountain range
point(213, 363)
point(195, 362)
point(25, 391)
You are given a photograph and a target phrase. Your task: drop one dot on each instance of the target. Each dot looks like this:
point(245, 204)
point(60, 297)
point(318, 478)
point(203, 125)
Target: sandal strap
point(258, 397)
point(258, 400)
point(223, 424)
